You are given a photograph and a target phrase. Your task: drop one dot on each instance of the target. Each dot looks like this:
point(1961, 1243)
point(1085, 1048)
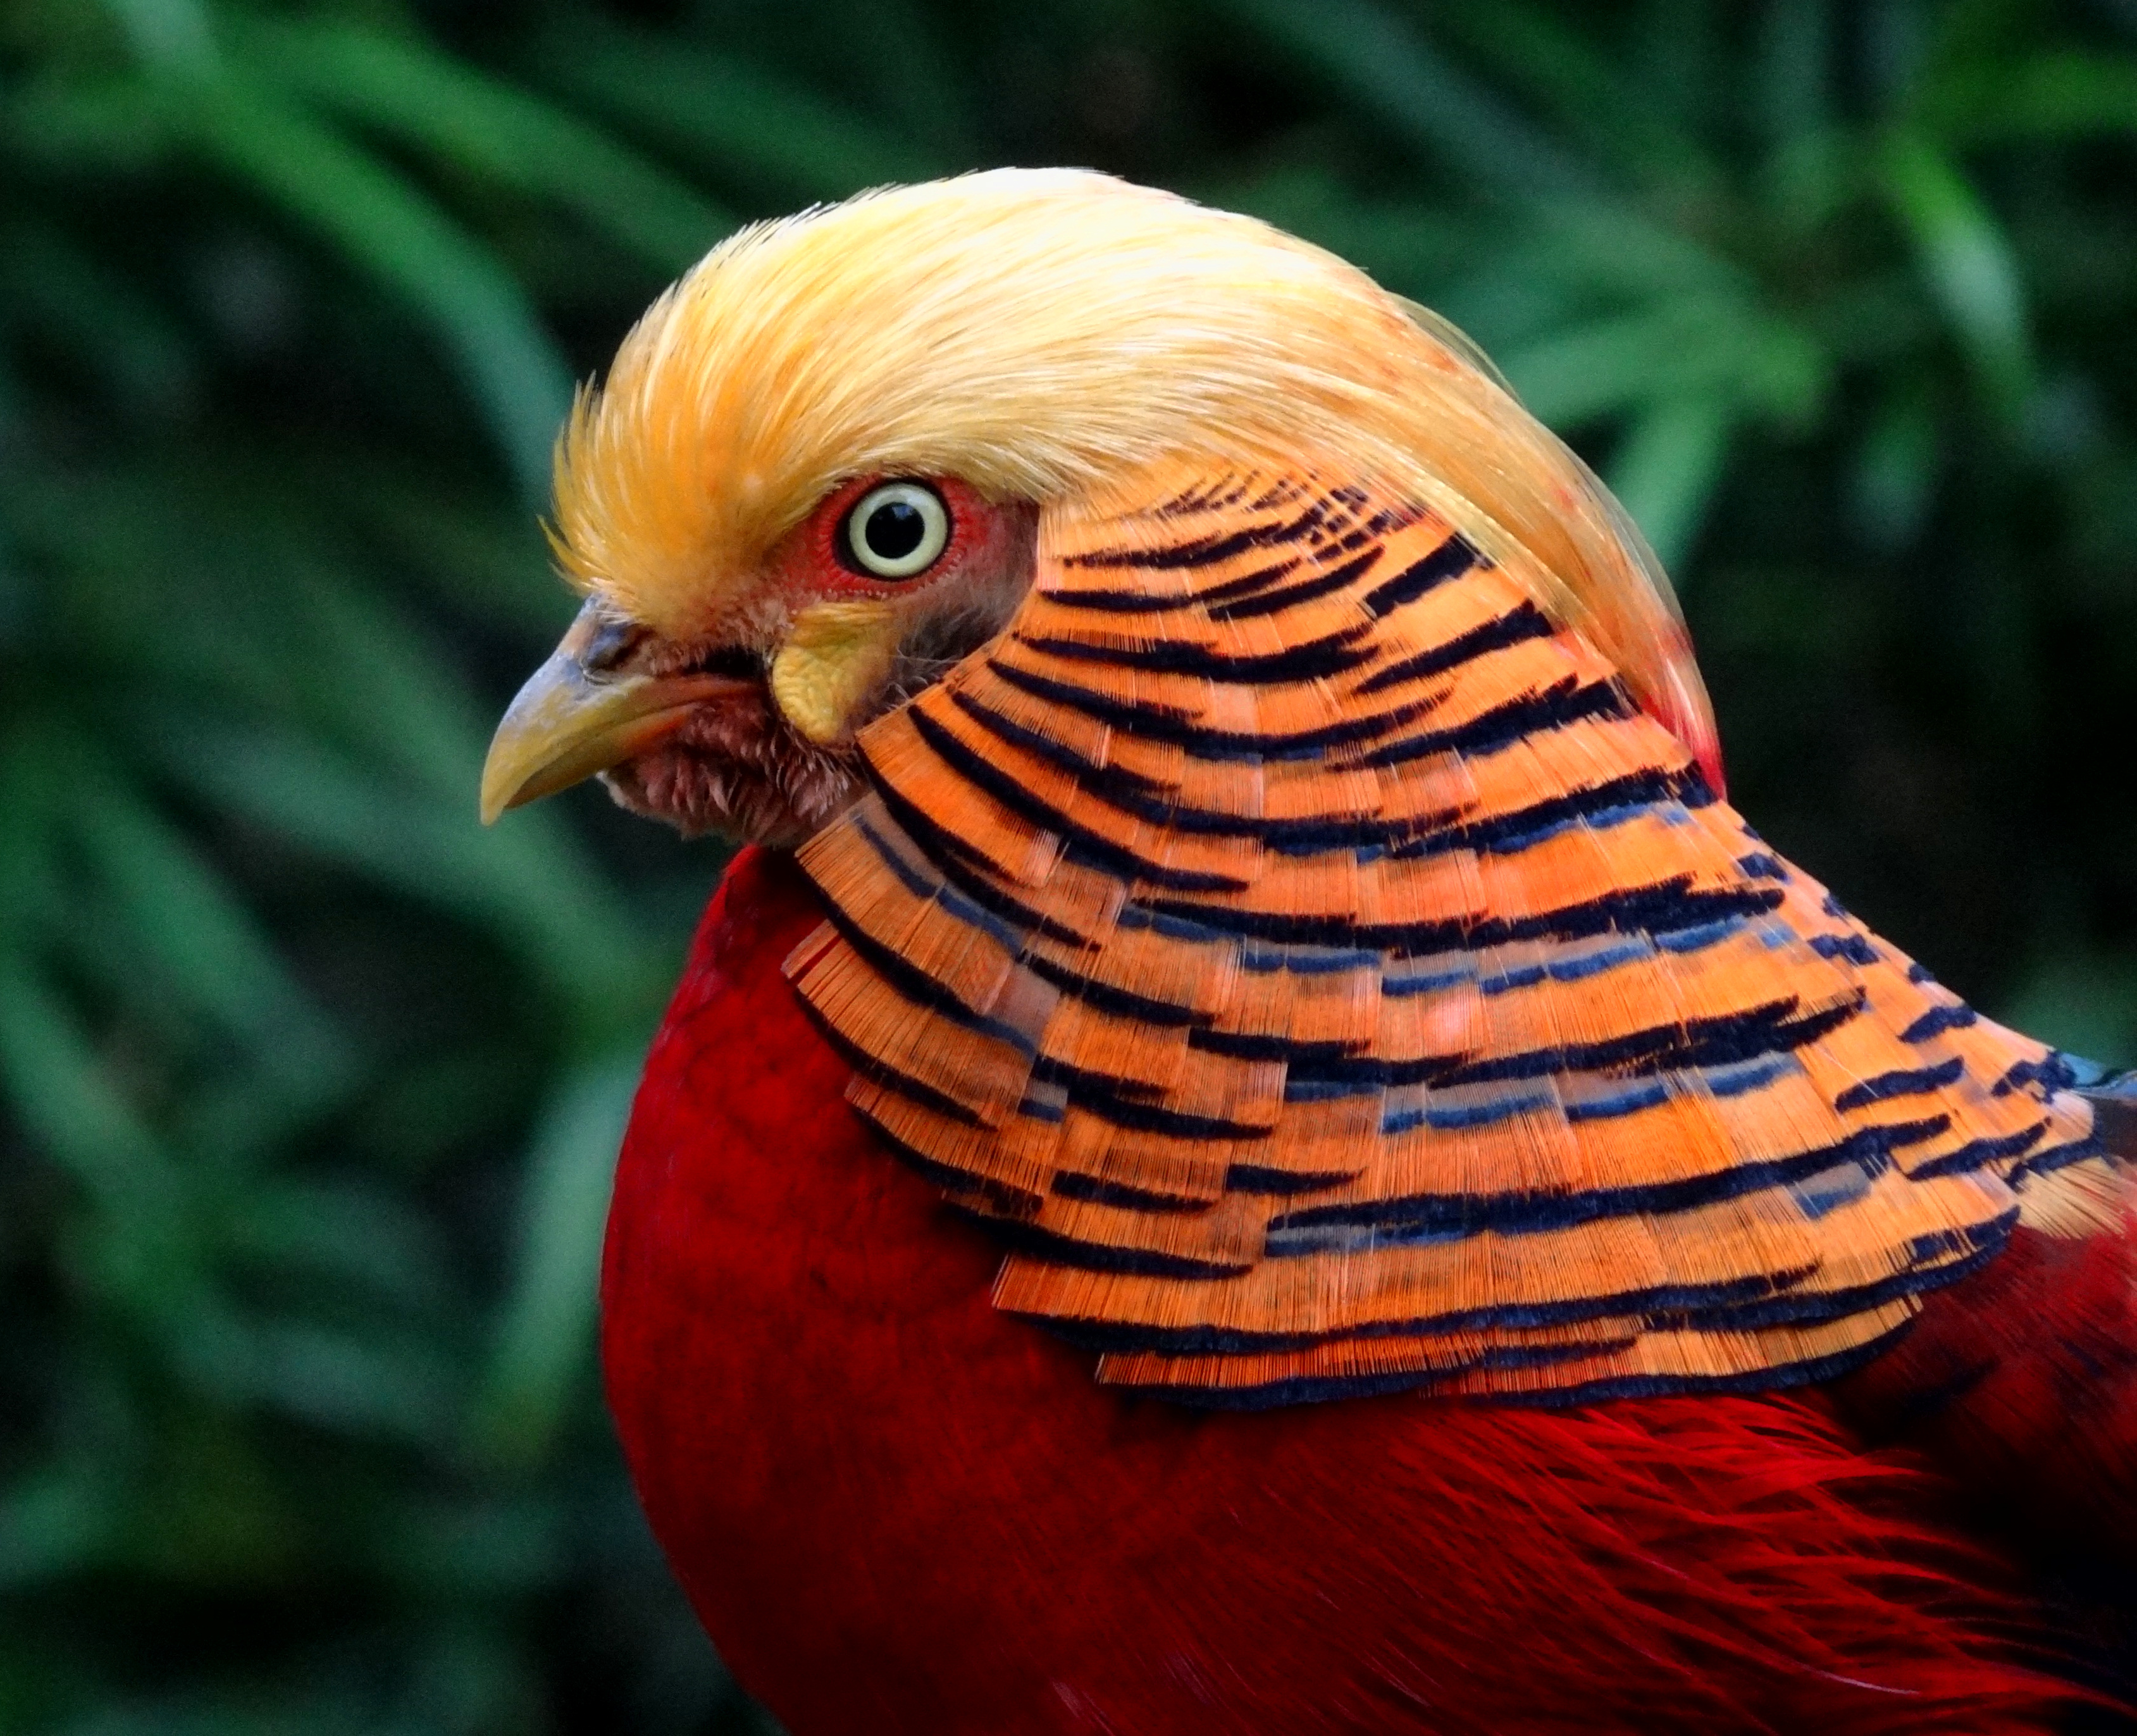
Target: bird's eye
point(897, 531)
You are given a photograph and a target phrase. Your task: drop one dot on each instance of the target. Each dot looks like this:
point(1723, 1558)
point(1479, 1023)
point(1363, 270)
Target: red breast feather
point(897, 1510)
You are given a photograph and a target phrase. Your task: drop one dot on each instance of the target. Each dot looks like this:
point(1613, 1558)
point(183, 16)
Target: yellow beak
point(578, 715)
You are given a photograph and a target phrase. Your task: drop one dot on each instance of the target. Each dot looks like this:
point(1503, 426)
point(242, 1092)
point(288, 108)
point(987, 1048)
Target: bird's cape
point(1298, 946)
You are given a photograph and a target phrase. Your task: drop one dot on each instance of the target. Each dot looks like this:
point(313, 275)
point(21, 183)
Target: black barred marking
point(1314, 660)
point(1562, 702)
point(1057, 1080)
point(1911, 1081)
point(1129, 792)
point(1282, 489)
point(1121, 602)
point(1071, 1185)
point(1119, 785)
point(882, 1073)
point(1020, 802)
point(1275, 602)
point(1008, 938)
point(1666, 914)
point(1201, 1340)
point(1421, 1219)
point(1935, 1262)
point(1727, 1040)
point(1262, 1179)
point(1248, 1046)
point(1814, 1371)
point(2053, 1158)
point(1208, 551)
point(1318, 1389)
point(1619, 800)
point(1979, 1154)
point(1518, 626)
point(1937, 1021)
point(1171, 725)
point(1106, 1098)
point(914, 984)
point(1058, 1250)
point(1667, 908)
point(1605, 804)
point(1120, 713)
point(963, 871)
point(1851, 947)
point(1452, 558)
point(1004, 1201)
point(1144, 602)
point(1739, 1304)
point(1204, 496)
point(2051, 1072)
point(1253, 582)
point(1746, 1306)
point(1120, 1003)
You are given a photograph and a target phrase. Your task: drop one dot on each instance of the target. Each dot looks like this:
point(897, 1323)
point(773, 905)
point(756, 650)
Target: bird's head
point(822, 469)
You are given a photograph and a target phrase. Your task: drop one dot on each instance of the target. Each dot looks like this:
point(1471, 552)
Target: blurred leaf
point(54, 1520)
point(174, 35)
point(2086, 1004)
point(55, 1082)
point(352, 1235)
point(1969, 263)
point(105, 323)
point(545, 1337)
point(1371, 56)
point(1794, 72)
point(2069, 94)
point(373, 1382)
point(1895, 476)
point(728, 117)
point(184, 919)
point(1665, 470)
point(393, 231)
point(523, 883)
point(1679, 351)
point(400, 86)
point(1586, 93)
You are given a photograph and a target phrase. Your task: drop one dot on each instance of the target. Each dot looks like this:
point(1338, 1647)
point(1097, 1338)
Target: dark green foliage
point(309, 1086)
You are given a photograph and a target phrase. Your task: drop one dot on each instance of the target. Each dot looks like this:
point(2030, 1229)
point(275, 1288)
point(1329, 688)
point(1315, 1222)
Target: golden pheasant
point(1260, 874)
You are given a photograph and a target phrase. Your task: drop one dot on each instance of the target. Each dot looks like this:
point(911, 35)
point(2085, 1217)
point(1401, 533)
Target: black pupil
point(893, 530)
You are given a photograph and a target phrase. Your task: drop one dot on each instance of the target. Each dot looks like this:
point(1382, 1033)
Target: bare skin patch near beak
point(585, 711)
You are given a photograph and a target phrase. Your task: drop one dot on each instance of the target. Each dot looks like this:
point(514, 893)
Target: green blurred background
point(310, 1088)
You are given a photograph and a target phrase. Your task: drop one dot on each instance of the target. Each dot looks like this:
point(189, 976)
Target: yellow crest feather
point(1042, 334)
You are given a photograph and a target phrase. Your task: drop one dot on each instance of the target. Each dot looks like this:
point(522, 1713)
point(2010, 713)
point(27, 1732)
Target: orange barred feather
point(1303, 950)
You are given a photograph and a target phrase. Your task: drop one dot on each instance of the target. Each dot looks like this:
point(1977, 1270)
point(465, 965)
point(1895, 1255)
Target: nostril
point(613, 642)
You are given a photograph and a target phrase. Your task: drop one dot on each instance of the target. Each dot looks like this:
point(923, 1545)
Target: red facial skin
point(736, 765)
point(897, 1510)
point(985, 539)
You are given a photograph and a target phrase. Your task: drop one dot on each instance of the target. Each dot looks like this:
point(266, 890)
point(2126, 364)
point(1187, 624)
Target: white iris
point(898, 530)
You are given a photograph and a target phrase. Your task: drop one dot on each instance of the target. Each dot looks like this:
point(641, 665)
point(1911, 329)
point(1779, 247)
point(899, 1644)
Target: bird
point(1248, 1143)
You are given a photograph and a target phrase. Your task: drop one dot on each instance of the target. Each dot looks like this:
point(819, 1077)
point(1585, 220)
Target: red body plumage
point(897, 1509)
point(2023, 1380)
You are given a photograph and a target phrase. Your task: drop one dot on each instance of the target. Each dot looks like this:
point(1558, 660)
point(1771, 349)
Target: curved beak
point(581, 713)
